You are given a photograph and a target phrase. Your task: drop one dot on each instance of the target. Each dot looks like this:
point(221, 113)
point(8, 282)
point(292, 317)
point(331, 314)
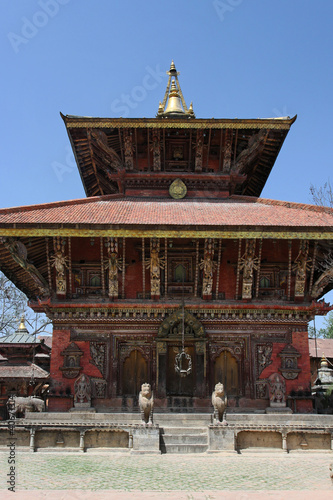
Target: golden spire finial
point(173, 67)
point(22, 328)
point(176, 107)
point(323, 361)
point(173, 90)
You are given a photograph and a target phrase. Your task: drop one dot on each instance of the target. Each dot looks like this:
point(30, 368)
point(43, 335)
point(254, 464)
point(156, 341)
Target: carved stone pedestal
point(81, 408)
point(278, 409)
point(146, 439)
point(220, 438)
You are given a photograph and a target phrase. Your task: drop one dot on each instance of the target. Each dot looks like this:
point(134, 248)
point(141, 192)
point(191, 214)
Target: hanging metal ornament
point(183, 361)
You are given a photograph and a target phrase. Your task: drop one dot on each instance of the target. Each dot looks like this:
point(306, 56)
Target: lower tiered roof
point(103, 213)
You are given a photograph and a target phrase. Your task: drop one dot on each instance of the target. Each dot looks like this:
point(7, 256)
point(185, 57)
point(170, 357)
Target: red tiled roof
point(321, 346)
point(22, 371)
point(115, 210)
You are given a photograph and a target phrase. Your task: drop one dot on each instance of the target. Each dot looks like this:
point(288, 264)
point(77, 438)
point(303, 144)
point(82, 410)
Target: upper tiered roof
point(213, 157)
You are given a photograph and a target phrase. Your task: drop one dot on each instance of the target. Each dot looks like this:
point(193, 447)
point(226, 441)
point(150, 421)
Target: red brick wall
point(61, 340)
point(303, 381)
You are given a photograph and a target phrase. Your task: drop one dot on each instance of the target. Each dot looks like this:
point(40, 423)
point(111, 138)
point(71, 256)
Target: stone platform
point(170, 433)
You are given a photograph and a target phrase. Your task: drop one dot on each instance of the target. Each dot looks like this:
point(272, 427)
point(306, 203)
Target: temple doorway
point(175, 384)
point(226, 371)
point(135, 372)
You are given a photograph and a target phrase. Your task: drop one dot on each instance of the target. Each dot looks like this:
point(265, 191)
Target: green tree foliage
point(326, 332)
point(323, 196)
point(14, 304)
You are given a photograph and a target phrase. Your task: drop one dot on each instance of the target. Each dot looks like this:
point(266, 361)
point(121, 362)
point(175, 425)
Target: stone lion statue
point(146, 404)
point(219, 402)
point(18, 404)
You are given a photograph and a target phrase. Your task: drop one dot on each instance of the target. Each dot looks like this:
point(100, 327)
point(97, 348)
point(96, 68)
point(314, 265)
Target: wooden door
point(175, 384)
point(226, 371)
point(134, 373)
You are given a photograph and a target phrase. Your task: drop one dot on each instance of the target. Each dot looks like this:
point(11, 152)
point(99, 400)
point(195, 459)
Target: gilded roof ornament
point(177, 189)
point(174, 105)
point(22, 328)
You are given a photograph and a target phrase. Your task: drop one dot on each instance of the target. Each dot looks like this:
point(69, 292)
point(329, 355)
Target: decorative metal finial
point(173, 68)
point(176, 107)
point(22, 328)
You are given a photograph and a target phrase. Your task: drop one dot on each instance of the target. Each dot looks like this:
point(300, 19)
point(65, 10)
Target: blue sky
point(237, 59)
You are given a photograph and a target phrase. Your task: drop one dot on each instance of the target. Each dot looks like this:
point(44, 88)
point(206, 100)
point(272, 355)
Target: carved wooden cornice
point(143, 232)
point(213, 316)
point(199, 123)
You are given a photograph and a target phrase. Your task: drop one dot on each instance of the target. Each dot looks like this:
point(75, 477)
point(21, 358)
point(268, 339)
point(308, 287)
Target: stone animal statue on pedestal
point(146, 404)
point(219, 402)
point(18, 404)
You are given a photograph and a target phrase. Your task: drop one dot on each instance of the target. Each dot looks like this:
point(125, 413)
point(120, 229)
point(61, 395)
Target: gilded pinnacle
point(174, 105)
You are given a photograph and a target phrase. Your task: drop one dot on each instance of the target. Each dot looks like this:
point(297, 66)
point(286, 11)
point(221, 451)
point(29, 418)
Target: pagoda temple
point(173, 270)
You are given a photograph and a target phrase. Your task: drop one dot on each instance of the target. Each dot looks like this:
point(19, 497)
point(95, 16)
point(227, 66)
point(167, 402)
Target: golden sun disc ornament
point(177, 189)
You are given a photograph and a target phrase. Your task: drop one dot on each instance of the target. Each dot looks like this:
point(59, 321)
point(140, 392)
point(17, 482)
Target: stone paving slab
point(250, 475)
point(167, 495)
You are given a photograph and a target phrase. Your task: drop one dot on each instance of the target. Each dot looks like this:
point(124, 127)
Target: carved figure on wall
point(155, 263)
point(208, 266)
point(98, 387)
point(277, 390)
point(219, 402)
point(301, 265)
point(289, 364)
point(264, 353)
point(261, 390)
point(19, 253)
point(98, 354)
point(227, 156)
point(60, 263)
point(146, 404)
point(113, 264)
point(82, 391)
point(199, 151)
point(18, 404)
point(172, 325)
point(71, 367)
point(128, 149)
point(156, 149)
point(248, 263)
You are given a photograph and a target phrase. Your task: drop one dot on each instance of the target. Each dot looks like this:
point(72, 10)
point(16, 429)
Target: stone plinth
point(220, 438)
point(146, 439)
point(278, 409)
point(83, 407)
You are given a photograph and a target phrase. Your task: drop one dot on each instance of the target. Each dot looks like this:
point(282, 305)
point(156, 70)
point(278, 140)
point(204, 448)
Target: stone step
point(182, 419)
point(184, 448)
point(183, 430)
point(184, 439)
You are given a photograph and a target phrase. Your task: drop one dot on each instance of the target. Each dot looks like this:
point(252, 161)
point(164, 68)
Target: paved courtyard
point(250, 475)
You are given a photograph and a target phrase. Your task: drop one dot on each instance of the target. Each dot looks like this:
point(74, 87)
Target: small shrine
point(24, 365)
